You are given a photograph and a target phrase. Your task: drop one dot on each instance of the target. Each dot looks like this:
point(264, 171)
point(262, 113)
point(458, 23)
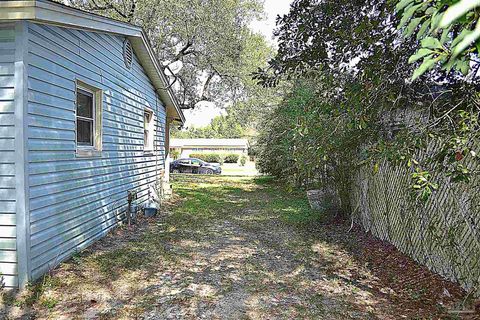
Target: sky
point(203, 114)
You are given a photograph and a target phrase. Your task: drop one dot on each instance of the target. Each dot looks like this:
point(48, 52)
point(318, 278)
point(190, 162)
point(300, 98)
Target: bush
point(175, 154)
point(231, 158)
point(243, 160)
point(208, 157)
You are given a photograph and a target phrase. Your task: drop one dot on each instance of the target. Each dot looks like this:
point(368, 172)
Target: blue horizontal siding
point(8, 255)
point(74, 201)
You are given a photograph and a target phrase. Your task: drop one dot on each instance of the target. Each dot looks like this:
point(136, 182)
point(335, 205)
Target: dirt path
point(238, 248)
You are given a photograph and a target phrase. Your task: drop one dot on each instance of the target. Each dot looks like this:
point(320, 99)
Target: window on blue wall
point(85, 117)
point(88, 119)
point(148, 130)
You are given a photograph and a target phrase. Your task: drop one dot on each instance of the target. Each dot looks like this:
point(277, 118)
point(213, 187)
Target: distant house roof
point(47, 11)
point(241, 143)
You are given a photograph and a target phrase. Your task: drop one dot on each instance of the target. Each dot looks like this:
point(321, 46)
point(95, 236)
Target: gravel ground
point(237, 248)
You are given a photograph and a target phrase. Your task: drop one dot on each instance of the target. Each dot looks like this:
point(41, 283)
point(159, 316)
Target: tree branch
point(184, 51)
point(110, 6)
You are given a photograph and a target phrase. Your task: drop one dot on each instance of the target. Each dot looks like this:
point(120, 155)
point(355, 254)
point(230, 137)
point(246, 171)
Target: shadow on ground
point(238, 248)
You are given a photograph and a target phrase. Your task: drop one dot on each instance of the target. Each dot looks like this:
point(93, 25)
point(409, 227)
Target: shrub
point(231, 158)
point(175, 154)
point(243, 160)
point(208, 157)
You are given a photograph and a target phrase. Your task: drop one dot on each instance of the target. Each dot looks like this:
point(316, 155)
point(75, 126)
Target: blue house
point(84, 117)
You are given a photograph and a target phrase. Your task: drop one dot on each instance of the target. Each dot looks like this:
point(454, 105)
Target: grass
point(235, 169)
point(223, 242)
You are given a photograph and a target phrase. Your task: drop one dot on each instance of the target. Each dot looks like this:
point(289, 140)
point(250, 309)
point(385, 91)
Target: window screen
point(85, 117)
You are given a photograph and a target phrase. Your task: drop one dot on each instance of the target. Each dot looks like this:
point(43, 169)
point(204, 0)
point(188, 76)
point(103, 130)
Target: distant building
point(185, 147)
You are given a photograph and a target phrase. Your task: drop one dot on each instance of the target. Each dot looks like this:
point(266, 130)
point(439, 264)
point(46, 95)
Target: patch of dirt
point(226, 250)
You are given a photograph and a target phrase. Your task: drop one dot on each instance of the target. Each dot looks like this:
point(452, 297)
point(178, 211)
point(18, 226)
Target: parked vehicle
point(193, 165)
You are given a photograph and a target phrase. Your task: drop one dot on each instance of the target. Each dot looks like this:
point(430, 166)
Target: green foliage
point(449, 33)
point(243, 160)
point(175, 154)
point(351, 105)
point(423, 183)
point(231, 158)
point(216, 157)
point(297, 144)
point(48, 302)
point(458, 148)
point(220, 127)
point(208, 157)
point(212, 40)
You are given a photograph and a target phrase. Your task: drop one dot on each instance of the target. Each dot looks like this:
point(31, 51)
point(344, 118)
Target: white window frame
point(96, 148)
point(150, 127)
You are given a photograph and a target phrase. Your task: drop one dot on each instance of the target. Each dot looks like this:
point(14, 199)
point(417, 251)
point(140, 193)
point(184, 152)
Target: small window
point(88, 119)
point(149, 130)
point(85, 118)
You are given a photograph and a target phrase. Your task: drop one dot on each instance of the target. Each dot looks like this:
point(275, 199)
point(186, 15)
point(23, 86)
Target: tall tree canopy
point(211, 38)
point(349, 65)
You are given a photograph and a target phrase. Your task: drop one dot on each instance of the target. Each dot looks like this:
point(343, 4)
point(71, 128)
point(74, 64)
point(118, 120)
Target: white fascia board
point(56, 13)
point(17, 10)
point(150, 63)
point(46, 11)
point(176, 113)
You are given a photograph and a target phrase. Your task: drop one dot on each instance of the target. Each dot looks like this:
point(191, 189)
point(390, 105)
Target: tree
point(357, 61)
point(223, 126)
point(211, 38)
point(449, 32)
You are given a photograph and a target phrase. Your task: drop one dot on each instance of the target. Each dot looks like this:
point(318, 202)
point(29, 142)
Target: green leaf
point(431, 10)
point(408, 14)
point(436, 17)
point(470, 38)
point(449, 65)
point(463, 66)
point(419, 55)
point(457, 10)
point(376, 168)
point(431, 43)
point(459, 37)
point(423, 29)
point(412, 26)
point(403, 4)
point(427, 64)
point(445, 34)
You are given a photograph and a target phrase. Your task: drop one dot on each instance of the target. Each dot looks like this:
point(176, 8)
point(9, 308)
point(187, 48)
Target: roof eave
point(172, 104)
point(61, 15)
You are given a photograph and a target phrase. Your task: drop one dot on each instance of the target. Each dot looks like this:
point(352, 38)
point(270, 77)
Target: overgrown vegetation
point(361, 98)
point(352, 103)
